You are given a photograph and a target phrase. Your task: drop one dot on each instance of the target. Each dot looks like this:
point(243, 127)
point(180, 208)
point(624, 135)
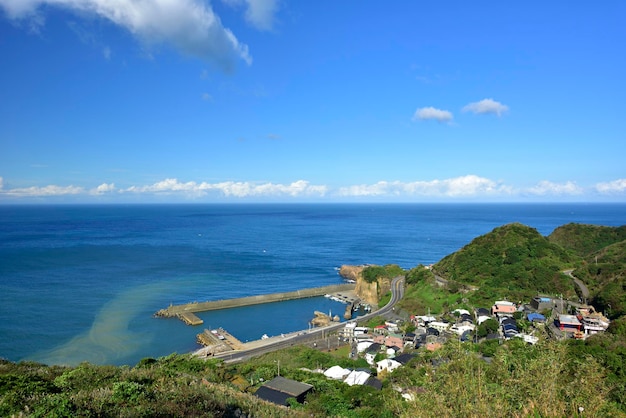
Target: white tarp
point(337, 373)
point(357, 378)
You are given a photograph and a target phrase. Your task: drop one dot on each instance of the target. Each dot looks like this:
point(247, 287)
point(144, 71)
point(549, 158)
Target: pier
point(183, 311)
point(217, 341)
point(190, 318)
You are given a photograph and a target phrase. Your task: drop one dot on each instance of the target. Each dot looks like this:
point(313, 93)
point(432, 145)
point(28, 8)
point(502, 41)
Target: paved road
point(583, 289)
point(440, 280)
point(397, 293)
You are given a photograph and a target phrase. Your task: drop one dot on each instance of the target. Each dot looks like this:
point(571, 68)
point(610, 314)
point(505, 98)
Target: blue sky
point(267, 100)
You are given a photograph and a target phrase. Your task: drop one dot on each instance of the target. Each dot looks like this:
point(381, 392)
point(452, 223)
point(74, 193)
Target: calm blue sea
point(81, 283)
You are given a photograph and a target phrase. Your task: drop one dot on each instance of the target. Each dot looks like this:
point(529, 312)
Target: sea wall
point(174, 310)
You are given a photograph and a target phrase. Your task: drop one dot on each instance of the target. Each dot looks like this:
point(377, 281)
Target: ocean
point(81, 283)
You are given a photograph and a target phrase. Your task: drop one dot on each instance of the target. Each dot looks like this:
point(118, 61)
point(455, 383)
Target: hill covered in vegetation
point(585, 239)
point(603, 250)
point(513, 261)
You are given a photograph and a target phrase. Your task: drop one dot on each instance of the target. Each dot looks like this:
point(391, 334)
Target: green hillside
point(520, 380)
point(586, 239)
point(512, 261)
point(604, 269)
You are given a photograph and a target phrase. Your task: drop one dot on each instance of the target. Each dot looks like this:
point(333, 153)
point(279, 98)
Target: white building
point(460, 329)
point(387, 365)
point(439, 326)
point(363, 345)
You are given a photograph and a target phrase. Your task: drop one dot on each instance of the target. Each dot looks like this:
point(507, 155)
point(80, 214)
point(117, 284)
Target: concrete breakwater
point(177, 310)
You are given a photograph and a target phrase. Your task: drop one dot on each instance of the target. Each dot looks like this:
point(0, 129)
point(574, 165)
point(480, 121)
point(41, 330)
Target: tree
point(487, 327)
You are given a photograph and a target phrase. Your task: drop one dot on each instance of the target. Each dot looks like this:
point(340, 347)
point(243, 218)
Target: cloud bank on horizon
point(463, 188)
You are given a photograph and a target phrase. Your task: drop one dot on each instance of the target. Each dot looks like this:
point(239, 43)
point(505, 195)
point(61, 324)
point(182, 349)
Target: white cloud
point(463, 186)
point(546, 187)
point(50, 190)
point(486, 106)
point(471, 185)
point(615, 186)
point(190, 26)
point(106, 53)
point(19, 8)
point(231, 189)
point(427, 113)
point(259, 13)
point(165, 186)
point(103, 188)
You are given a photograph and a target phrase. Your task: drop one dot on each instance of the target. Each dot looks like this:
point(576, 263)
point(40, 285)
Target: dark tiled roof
point(432, 331)
point(466, 317)
point(374, 348)
point(404, 358)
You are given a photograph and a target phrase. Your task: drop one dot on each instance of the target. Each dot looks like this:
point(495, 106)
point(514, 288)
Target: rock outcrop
point(367, 292)
point(321, 319)
point(351, 272)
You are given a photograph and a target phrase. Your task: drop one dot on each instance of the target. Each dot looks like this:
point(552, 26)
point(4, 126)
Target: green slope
point(604, 269)
point(586, 239)
point(512, 261)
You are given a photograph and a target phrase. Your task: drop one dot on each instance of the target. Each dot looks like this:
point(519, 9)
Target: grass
point(425, 295)
point(341, 352)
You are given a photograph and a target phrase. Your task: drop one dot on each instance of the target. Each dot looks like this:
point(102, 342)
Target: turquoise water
point(80, 283)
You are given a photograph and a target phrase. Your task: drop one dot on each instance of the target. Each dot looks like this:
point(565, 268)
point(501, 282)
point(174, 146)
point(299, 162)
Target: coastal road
point(397, 293)
point(583, 289)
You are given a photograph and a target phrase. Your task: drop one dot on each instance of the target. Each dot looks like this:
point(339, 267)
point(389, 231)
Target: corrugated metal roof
point(292, 387)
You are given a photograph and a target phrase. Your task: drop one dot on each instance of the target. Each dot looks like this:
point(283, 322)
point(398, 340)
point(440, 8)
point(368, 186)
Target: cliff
point(367, 292)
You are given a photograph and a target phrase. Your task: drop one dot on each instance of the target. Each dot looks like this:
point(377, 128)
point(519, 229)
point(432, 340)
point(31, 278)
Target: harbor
point(219, 342)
